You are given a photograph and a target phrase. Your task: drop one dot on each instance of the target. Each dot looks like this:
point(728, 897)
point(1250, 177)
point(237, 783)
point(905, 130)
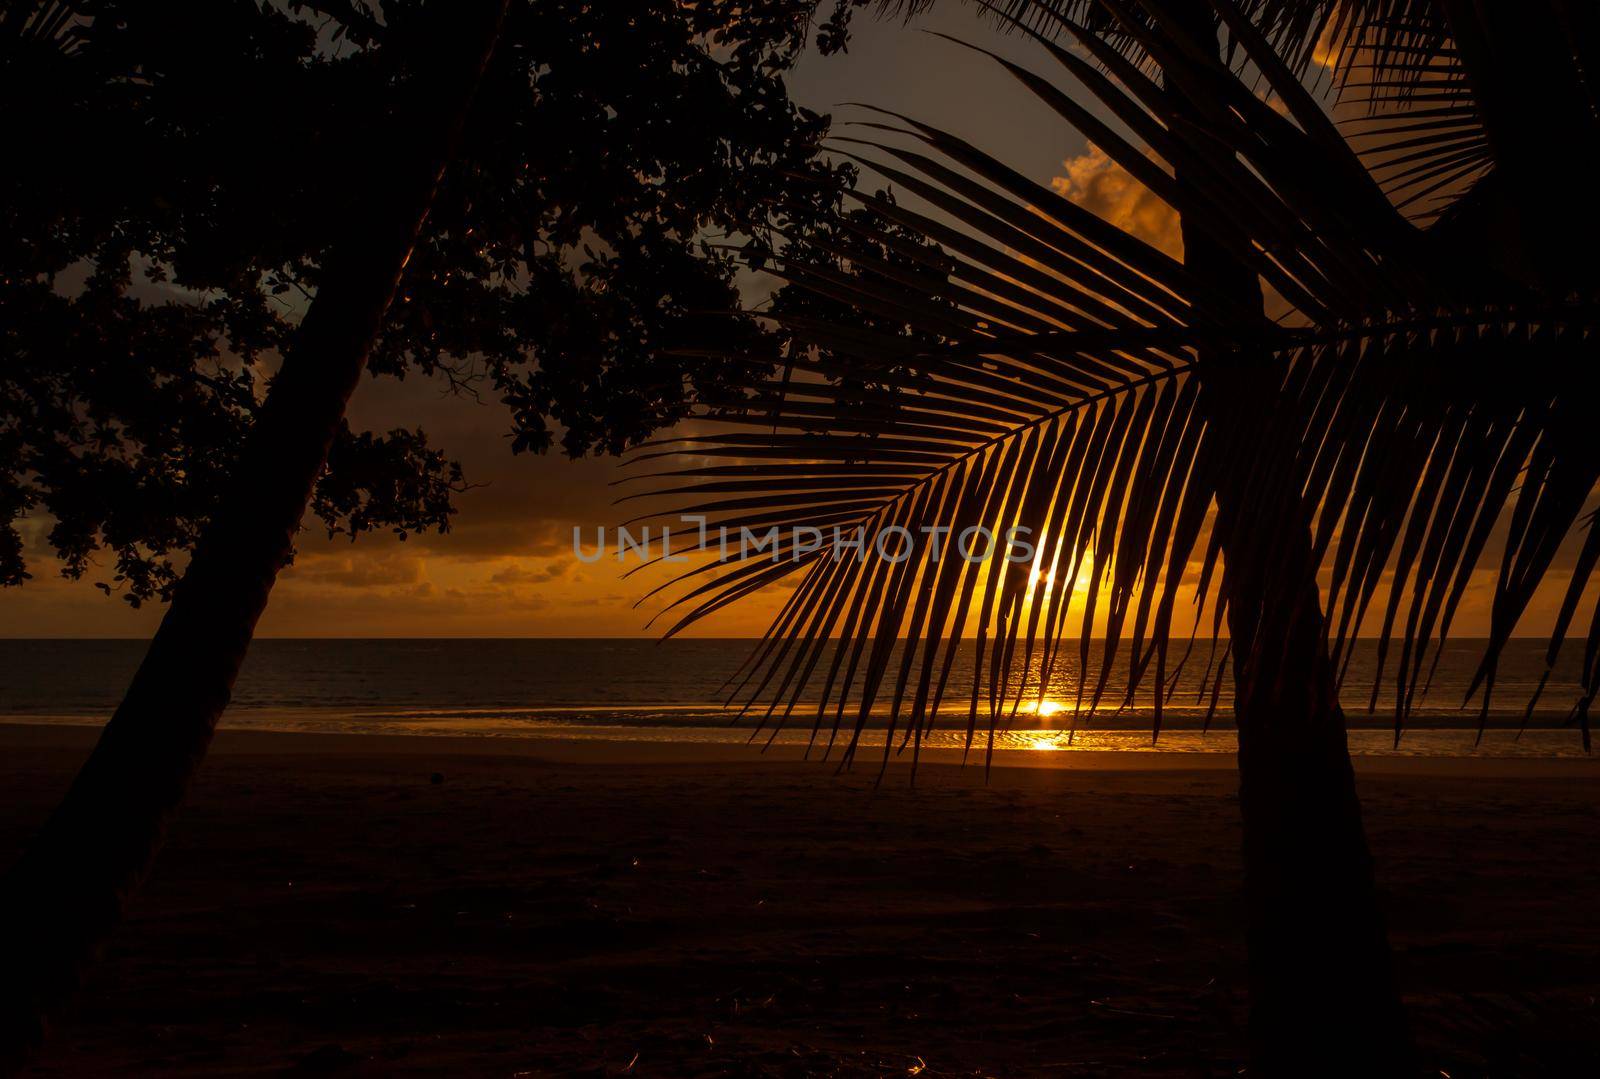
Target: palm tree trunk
point(69, 890)
point(1323, 999)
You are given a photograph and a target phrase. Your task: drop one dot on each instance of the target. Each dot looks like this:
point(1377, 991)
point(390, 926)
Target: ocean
point(635, 689)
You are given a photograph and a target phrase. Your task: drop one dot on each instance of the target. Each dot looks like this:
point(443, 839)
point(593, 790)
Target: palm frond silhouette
point(1419, 413)
point(1062, 384)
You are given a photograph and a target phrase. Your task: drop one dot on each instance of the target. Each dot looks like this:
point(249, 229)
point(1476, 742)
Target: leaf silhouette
point(1027, 366)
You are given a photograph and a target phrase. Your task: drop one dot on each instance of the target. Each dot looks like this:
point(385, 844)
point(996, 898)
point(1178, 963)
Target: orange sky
point(507, 568)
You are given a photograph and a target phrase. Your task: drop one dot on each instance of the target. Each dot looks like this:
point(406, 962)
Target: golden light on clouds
point(1326, 53)
point(1106, 189)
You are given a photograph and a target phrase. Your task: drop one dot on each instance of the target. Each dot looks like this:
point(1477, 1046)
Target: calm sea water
point(642, 690)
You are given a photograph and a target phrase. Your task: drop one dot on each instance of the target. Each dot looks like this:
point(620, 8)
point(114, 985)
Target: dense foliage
point(180, 170)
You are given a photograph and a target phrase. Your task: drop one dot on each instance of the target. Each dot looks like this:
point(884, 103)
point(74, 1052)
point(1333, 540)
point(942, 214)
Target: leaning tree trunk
point(1323, 999)
point(69, 890)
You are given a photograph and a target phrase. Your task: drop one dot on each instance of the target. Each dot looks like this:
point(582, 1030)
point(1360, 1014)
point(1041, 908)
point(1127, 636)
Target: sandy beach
point(370, 905)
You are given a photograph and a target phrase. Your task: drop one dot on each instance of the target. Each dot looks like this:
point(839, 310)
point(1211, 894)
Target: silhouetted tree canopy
point(179, 171)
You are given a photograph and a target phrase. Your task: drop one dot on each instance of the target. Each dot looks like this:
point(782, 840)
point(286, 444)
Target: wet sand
point(367, 905)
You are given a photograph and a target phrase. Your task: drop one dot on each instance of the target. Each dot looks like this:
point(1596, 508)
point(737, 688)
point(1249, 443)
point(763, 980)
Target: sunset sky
point(506, 568)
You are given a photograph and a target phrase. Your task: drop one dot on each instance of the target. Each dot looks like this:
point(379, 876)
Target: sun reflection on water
point(1047, 739)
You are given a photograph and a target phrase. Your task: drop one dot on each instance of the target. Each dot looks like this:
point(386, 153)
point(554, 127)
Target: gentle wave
point(1533, 742)
point(641, 690)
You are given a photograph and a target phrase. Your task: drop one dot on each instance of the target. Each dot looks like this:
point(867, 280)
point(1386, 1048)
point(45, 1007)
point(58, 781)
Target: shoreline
point(80, 737)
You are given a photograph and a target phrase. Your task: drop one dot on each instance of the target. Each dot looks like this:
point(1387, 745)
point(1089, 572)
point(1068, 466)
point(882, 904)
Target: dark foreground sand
point(560, 909)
